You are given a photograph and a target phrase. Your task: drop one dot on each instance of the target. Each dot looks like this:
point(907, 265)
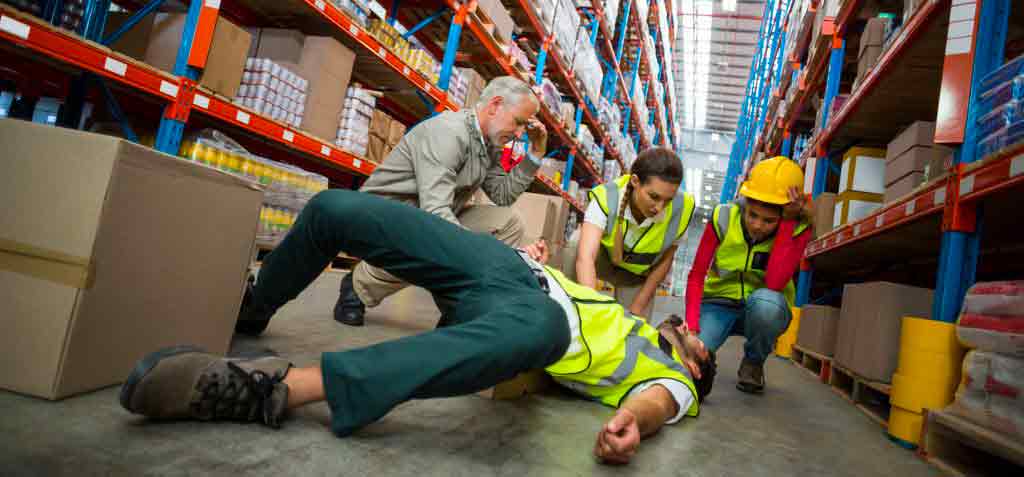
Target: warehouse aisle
point(797, 428)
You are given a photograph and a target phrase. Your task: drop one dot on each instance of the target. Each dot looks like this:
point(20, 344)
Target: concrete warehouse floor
point(799, 427)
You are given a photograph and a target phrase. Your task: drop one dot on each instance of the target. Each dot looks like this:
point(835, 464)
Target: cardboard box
point(914, 160)
point(920, 133)
point(380, 125)
point(873, 312)
point(321, 60)
point(824, 213)
point(873, 35)
point(376, 149)
point(396, 132)
point(853, 206)
point(475, 85)
point(867, 60)
point(539, 215)
point(819, 326)
point(863, 171)
point(139, 251)
point(134, 41)
point(500, 18)
point(938, 166)
point(903, 186)
point(224, 63)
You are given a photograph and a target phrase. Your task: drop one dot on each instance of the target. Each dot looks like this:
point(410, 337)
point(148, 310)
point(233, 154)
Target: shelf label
point(967, 185)
point(169, 89)
point(242, 117)
point(909, 209)
point(288, 136)
point(201, 101)
point(320, 5)
point(382, 52)
point(353, 29)
point(405, 71)
point(14, 27)
point(1017, 166)
point(325, 150)
point(357, 163)
point(856, 230)
point(940, 196)
point(212, 4)
point(879, 221)
point(114, 66)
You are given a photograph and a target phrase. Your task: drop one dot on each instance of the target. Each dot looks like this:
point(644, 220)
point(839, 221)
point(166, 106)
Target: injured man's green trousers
point(496, 320)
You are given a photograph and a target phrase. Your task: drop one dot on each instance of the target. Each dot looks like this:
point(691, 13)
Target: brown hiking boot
point(185, 382)
point(751, 377)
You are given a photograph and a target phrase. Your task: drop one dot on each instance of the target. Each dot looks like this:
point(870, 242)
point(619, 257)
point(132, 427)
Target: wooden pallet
point(960, 447)
point(818, 365)
point(871, 397)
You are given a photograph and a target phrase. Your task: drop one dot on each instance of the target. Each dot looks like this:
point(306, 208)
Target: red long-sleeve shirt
point(782, 264)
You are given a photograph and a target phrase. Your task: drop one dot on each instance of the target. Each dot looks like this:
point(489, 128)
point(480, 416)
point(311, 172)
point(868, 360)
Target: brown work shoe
point(185, 382)
point(751, 377)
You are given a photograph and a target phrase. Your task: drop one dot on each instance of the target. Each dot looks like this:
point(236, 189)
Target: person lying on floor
point(502, 313)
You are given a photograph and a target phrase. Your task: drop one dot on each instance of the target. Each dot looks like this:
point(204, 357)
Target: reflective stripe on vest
point(613, 351)
point(639, 262)
point(733, 276)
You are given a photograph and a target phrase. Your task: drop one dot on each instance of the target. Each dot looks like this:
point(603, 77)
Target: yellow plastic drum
point(913, 394)
point(905, 425)
point(929, 336)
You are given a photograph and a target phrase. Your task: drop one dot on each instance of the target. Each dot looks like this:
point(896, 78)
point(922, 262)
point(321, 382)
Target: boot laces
point(240, 394)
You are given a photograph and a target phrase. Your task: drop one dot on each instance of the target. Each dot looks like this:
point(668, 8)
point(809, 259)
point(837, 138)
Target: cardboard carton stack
point(909, 156)
point(322, 61)
point(224, 63)
point(385, 133)
point(545, 217)
point(824, 213)
point(92, 278)
point(273, 90)
point(870, 48)
point(861, 184)
point(502, 22)
point(474, 85)
point(819, 326)
point(868, 341)
point(354, 124)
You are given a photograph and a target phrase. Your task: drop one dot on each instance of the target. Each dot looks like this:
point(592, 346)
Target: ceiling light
point(729, 5)
point(715, 137)
point(708, 188)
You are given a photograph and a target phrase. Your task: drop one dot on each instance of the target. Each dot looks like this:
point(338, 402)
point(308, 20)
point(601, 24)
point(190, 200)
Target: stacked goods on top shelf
point(273, 90)
point(411, 54)
point(385, 133)
point(70, 17)
point(500, 19)
point(590, 147)
point(913, 158)
point(354, 125)
point(358, 10)
point(1001, 120)
point(586, 66)
point(322, 61)
point(991, 391)
point(287, 188)
point(550, 96)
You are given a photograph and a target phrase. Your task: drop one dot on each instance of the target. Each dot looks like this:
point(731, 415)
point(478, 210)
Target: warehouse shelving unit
point(948, 232)
point(409, 95)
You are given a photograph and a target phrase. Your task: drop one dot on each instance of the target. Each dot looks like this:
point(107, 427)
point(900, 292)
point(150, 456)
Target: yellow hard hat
point(771, 179)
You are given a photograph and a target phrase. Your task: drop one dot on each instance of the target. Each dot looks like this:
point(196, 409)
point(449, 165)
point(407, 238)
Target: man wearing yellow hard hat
point(741, 280)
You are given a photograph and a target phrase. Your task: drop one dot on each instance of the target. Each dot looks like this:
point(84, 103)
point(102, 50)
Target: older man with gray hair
point(437, 166)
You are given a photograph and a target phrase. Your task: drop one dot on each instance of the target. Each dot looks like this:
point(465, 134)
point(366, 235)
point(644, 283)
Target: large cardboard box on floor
point(112, 251)
point(321, 60)
point(224, 63)
point(819, 326)
point(869, 326)
point(538, 214)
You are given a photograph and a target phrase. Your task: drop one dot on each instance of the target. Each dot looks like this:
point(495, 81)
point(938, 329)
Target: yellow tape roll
point(784, 347)
point(905, 425)
point(929, 365)
point(929, 335)
point(913, 394)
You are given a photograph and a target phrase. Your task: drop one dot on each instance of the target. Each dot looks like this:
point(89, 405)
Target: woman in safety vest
point(637, 220)
point(741, 280)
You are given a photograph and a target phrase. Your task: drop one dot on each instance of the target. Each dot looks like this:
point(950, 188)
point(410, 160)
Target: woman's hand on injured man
point(538, 251)
point(618, 439)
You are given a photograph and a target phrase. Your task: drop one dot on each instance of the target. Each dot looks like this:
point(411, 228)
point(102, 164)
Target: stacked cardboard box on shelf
point(324, 62)
point(868, 339)
point(824, 213)
point(385, 133)
point(819, 326)
point(94, 278)
point(224, 63)
point(870, 47)
point(909, 155)
point(861, 184)
point(500, 19)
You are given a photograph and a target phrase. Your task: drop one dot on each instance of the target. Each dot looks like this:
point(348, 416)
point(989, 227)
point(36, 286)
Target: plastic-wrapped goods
point(550, 95)
point(273, 90)
point(354, 122)
point(992, 318)
point(287, 188)
point(357, 10)
point(991, 392)
point(566, 22)
point(585, 64)
point(519, 57)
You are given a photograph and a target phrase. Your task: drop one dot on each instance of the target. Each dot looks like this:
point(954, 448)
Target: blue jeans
point(761, 320)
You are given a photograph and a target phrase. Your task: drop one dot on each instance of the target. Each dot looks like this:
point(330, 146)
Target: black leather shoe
point(252, 317)
point(349, 310)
